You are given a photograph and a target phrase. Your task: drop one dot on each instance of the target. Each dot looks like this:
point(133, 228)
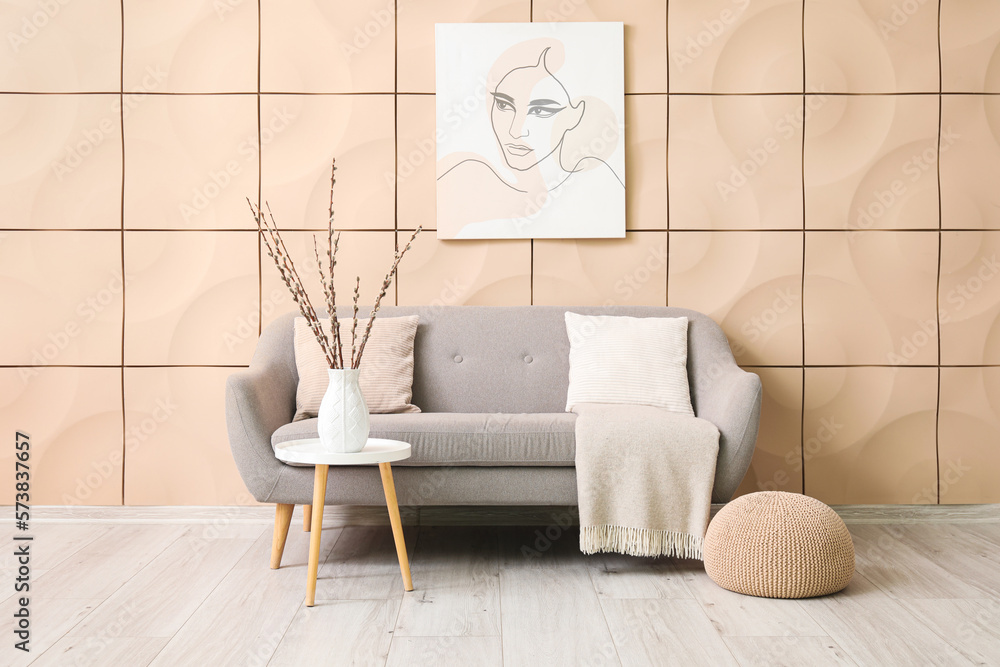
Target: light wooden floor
point(162, 594)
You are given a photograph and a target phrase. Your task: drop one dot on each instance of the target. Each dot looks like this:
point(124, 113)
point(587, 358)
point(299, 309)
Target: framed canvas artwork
point(530, 130)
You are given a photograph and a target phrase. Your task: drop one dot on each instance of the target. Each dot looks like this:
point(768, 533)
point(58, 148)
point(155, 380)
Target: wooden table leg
point(319, 499)
point(397, 525)
point(306, 517)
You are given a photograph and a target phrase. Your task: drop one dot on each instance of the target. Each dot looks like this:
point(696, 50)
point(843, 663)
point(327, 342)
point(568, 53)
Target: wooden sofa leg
point(307, 512)
point(282, 519)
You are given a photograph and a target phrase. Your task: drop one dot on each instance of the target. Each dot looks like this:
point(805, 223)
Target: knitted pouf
point(779, 545)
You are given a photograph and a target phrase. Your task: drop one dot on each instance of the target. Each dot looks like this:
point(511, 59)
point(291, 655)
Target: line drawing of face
point(531, 114)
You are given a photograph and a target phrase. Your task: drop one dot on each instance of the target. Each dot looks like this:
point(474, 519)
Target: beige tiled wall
point(783, 171)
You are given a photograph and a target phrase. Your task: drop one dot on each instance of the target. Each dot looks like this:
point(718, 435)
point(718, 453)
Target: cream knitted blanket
point(644, 479)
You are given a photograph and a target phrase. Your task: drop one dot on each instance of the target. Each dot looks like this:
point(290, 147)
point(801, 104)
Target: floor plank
point(963, 554)
point(160, 598)
point(52, 545)
point(201, 534)
point(554, 605)
point(874, 629)
point(986, 531)
point(735, 615)
point(7, 529)
point(664, 632)
point(552, 615)
point(339, 632)
point(625, 577)
point(971, 626)
point(90, 651)
point(252, 607)
point(459, 580)
point(363, 565)
point(787, 651)
point(901, 570)
point(550, 612)
point(540, 547)
point(445, 652)
point(51, 619)
point(98, 569)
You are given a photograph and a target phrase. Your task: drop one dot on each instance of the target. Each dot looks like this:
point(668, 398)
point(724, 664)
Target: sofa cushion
point(468, 439)
point(628, 360)
point(386, 366)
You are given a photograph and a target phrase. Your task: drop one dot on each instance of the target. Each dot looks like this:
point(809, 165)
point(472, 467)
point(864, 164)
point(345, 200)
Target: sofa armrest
point(255, 408)
point(258, 401)
point(732, 403)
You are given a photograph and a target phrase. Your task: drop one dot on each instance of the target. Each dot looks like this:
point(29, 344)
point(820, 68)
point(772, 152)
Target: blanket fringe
point(640, 541)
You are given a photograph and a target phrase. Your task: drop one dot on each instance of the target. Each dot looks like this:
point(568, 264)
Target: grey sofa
point(491, 382)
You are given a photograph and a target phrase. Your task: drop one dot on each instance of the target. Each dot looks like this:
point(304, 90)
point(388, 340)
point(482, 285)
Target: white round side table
point(378, 451)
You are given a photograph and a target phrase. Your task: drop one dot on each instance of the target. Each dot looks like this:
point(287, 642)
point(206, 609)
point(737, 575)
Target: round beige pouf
point(779, 545)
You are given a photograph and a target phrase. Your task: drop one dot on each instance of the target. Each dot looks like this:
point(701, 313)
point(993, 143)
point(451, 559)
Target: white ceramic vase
point(343, 413)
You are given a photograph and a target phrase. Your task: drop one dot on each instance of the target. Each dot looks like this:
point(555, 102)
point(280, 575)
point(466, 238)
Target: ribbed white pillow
point(386, 367)
point(630, 360)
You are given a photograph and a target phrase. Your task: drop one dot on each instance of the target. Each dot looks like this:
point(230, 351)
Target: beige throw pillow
point(630, 360)
point(386, 366)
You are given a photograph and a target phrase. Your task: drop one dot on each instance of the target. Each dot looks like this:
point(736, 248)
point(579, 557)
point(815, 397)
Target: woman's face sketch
point(531, 113)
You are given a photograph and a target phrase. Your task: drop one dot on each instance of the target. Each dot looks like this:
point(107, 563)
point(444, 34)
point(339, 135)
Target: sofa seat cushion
point(467, 439)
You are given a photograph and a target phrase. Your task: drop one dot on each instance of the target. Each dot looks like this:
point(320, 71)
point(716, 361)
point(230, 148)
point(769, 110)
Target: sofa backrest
point(513, 359)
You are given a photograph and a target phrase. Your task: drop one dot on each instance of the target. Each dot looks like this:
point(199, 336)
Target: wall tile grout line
point(114, 366)
point(802, 278)
point(531, 272)
point(431, 229)
point(741, 365)
point(395, 141)
point(940, 250)
point(706, 93)
point(531, 242)
point(825, 93)
point(121, 119)
point(666, 156)
point(692, 230)
point(260, 181)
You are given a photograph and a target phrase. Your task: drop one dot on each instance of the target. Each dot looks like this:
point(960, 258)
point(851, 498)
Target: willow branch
point(354, 320)
point(332, 244)
point(378, 300)
point(286, 269)
point(331, 308)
